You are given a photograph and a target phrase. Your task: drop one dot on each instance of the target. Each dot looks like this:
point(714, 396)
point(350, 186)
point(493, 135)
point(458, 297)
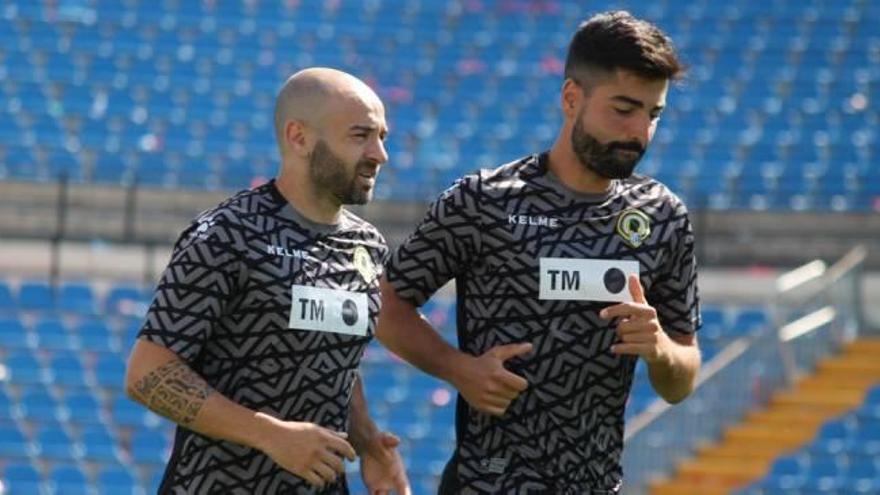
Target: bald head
point(312, 95)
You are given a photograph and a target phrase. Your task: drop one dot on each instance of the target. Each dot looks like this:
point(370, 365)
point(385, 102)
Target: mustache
point(626, 146)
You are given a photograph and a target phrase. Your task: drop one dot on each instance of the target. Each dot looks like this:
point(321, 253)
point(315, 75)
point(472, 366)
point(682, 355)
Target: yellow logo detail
point(634, 226)
point(364, 264)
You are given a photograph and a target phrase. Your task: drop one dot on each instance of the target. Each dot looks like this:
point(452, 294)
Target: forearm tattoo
point(174, 391)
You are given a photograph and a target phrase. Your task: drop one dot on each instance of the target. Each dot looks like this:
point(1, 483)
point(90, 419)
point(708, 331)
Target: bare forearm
point(674, 375)
point(404, 331)
point(362, 428)
point(176, 392)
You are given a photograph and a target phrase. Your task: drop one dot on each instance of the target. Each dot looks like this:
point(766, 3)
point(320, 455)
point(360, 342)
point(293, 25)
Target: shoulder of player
point(363, 228)
point(222, 224)
point(503, 176)
point(658, 192)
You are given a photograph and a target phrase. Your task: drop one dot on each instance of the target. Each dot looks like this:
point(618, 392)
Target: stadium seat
point(126, 300)
point(76, 298)
point(21, 479)
point(14, 336)
point(24, 369)
point(149, 447)
point(81, 407)
point(7, 301)
point(65, 479)
point(52, 334)
point(94, 336)
point(53, 443)
point(109, 371)
point(99, 445)
point(37, 405)
point(13, 443)
point(749, 320)
point(36, 296)
point(67, 370)
point(117, 479)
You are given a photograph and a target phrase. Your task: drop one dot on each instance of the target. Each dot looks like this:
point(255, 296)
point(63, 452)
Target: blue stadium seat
point(748, 320)
point(37, 405)
point(54, 444)
point(68, 480)
point(109, 371)
point(7, 301)
point(126, 412)
point(21, 479)
point(13, 443)
point(149, 447)
point(67, 370)
point(24, 369)
point(52, 334)
point(125, 299)
point(95, 336)
point(99, 445)
point(14, 336)
point(117, 480)
point(82, 408)
point(77, 298)
point(36, 296)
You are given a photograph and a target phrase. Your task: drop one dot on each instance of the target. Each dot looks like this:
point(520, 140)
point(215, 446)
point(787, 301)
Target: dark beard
point(600, 158)
point(328, 172)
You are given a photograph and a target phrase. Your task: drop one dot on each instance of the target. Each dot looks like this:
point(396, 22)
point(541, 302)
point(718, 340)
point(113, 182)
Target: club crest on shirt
point(363, 264)
point(633, 226)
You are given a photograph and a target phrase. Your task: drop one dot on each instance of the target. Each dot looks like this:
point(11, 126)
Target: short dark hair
point(618, 40)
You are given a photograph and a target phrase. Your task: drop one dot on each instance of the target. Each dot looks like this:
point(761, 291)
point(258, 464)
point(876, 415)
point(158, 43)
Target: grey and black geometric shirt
point(274, 311)
point(535, 262)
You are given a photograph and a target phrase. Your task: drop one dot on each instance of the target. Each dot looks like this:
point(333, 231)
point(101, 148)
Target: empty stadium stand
point(777, 113)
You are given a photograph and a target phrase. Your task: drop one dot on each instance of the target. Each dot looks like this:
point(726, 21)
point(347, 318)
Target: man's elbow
point(676, 396)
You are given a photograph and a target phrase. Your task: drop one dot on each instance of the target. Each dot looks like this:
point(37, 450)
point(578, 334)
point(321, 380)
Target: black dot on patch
point(349, 312)
point(615, 280)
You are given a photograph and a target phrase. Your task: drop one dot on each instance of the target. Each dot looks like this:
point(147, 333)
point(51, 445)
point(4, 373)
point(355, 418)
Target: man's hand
point(639, 330)
point(382, 468)
point(484, 382)
point(307, 450)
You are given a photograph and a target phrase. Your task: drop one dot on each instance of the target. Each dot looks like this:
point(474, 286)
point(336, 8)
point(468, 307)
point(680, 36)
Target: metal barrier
point(816, 310)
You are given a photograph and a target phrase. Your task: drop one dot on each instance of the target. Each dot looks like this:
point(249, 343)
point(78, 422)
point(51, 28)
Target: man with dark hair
point(568, 268)
point(254, 337)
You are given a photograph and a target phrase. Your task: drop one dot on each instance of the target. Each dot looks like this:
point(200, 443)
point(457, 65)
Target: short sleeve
point(445, 243)
point(194, 291)
point(674, 294)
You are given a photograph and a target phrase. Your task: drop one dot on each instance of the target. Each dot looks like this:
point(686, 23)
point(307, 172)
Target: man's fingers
point(493, 410)
point(497, 401)
point(401, 485)
point(389, 440)
point(636, 290)
point(336, 443)
point(313, 479)
point(627, 310)
point(630, 349)
point(507, 351)
point(628, 328)
point(513, 381)
point(327, 474)
point(334, 461)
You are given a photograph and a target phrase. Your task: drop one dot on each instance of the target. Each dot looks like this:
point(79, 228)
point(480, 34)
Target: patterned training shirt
point(535, 262)
point(274, 311)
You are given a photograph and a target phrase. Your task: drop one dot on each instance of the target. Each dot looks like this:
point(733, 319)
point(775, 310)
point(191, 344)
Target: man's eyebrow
point(363, 127)
point(634, 102)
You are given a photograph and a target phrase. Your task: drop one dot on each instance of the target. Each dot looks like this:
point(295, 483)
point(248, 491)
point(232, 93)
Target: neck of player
point(568, 169)
point(313, 204)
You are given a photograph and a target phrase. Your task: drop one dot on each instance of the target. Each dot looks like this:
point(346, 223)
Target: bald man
point(253, 340)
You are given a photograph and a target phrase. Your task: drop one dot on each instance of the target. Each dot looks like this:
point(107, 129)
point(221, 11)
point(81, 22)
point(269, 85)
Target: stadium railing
point(816, 309)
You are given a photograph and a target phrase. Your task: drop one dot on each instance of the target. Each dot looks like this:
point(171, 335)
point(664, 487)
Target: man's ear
point(571, 97)
point(297, 137)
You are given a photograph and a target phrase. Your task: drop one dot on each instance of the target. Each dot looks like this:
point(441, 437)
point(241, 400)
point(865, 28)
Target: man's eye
point(624, 111)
